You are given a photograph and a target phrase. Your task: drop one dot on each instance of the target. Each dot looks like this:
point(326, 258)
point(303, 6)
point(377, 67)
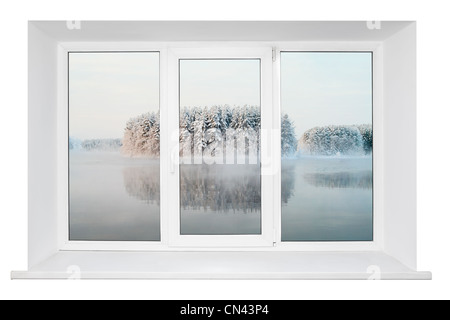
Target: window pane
point(220, 174)
point(114, 146)
point(326, 146)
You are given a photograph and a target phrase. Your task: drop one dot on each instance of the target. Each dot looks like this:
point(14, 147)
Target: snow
point(142, 135)
point(94, 144)
point(335, 140)
point(208, 132)
point(288, 139)
point(218, 132)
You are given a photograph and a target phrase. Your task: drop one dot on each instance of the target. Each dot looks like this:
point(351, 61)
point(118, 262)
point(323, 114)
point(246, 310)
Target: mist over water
point(102, 209)
point(116, 198)
point(358, 180)
point(331, 199)
point(220, 199)
point(143, 183)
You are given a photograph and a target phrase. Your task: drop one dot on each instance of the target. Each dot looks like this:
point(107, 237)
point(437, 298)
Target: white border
point(172, 242)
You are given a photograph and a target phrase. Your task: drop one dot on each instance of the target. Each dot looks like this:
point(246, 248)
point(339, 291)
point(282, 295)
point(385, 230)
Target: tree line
point(337, 140)
point(206, 131)
point(214, 131)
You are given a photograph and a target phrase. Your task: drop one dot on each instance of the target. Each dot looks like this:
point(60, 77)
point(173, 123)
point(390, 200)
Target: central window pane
point(220, 122)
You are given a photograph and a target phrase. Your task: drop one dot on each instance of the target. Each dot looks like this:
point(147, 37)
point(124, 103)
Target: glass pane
point(114, 146)
point(326, 138)
point(220, 174)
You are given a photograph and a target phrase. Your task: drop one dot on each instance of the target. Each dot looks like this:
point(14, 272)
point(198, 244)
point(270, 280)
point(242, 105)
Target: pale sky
point(106, 89)
point(219, 82)
point(319, 89)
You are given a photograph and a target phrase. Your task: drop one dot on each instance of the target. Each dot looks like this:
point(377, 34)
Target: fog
point(330, 199)
point(115, 198)
point(220, 199)
point(102, 208)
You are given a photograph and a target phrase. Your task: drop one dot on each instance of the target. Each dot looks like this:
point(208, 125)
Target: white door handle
point(173, 160)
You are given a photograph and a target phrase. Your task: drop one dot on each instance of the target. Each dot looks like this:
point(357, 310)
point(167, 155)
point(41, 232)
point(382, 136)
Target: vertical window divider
point(164, 145)
point(172, 172)
point(276, 136)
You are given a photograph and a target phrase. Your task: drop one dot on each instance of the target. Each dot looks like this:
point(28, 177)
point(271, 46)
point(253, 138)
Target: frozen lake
point(327, 199)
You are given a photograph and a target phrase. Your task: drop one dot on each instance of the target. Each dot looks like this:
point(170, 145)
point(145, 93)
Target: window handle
point(173, 160)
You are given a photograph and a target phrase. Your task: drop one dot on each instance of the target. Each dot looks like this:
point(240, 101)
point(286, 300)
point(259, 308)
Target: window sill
point(221, 265)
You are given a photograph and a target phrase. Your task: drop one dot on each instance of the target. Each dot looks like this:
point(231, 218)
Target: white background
point(433, 146)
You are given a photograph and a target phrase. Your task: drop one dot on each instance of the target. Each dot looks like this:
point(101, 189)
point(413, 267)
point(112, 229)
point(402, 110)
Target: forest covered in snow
point(95, 144)
point(205, 131)
point(209, 131)
point(337, 140)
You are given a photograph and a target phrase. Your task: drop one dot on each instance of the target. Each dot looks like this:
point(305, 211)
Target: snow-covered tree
point(101, 144)
point(141, 136)
point(288, 139)
point(199, 126)
point(153, 144)
point(367, 137)
point(337, 140)
point(204, 132)
point(186, 133)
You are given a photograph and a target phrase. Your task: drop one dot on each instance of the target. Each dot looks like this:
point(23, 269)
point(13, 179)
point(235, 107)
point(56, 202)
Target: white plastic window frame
point(265, 239)
point(170, 53)
point(377, 97)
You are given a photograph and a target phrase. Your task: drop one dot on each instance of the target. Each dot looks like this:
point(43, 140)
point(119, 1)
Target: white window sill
point(221, 265)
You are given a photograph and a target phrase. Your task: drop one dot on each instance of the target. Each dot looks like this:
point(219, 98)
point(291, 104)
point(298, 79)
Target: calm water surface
point(327, 199)
point(115, 198)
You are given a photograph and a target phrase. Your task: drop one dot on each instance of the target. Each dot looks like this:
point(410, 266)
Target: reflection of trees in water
point(143, 183)
point(287, 182)
point(221, 188)
point(359, 180)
